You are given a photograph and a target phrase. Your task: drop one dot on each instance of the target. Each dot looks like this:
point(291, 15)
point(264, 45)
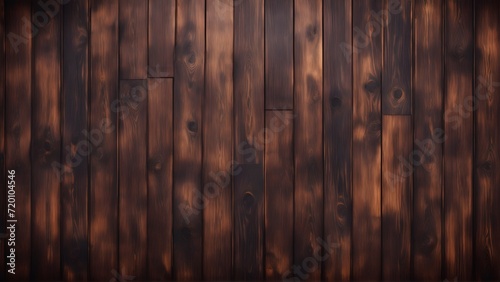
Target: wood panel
point(103, 231)
point(366, 134)
point(337, 138)
point(279, 59)
point(188, 95)
point(487, 139)
point(46, 147)
point(426, 161)
point(133, 26)
point(161, 37)
point(160, 151)
point(459, 54)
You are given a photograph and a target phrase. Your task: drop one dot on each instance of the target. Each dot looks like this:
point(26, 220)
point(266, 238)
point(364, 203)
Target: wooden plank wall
point(251, 139)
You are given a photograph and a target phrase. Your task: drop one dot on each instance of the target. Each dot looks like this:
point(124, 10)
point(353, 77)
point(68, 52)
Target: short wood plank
point(161, 37)
point(133, 26)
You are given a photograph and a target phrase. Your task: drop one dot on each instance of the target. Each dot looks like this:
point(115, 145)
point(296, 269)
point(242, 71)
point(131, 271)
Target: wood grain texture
point(3, 172)
point(161, 37)
point(366, 147)
point(74, 188)
point(279, 57)
point(103, 122)
point(308, 225)
point(458, 149)
point(133, 26)
point(248, 139)
point(337, 128)
point(397, 201)
point(188, 95)
point(46, 148)
point(487, 139)
point(160, 152)
point(426, 161)
point(279, 179)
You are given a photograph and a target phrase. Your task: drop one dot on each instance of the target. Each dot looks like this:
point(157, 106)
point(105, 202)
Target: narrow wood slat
point(3, 172)
point(188, 95)
point(161, 37)
point(103, 235)
point(337, 128)
point(133, 26)
point(308, 225)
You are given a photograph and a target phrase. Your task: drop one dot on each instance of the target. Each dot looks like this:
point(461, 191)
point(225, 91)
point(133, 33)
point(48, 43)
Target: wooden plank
point(46, 147)
point(188, 95)
point(161, 39)
point(396, 76)
point(74, 190)
point(308, 227)
point(396, 198)
point(217, 146)
point(133, 26)
point(337, 107)
point(367, 69)
point(160, 146)
point(3, 172)
point(133, 194)
point(248, 124)
point(426, 159)
point(103, 122)
point(487, 140)
point(279, 170)
point(279, 54)
point(458, 150)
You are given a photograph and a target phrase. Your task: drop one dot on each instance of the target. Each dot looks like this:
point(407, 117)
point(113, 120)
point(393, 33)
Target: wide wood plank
point(74, 189)
point(367, 70)
point(103, 123)
point(279, 54)
point(426, 161)
point(458, 150)
point(487, 140)
point(337, 126)
point(308, 47)
point(46, 148)
point(188, 95)
point(161, 37)
point(133, 26)
point(160, 155)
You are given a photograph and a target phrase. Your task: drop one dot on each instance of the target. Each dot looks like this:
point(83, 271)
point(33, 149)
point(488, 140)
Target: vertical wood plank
point(279, 170)
point(74, 189)
point(133, 25)
point(3, 172)
point(248, 136)
point(487, 140)
point(367, 68)
point(188, 95)
point(337, 107)
point(46, 147)
point(397, 142)
point(160, 146)
point(426, 161)
point(103, 123)
point(308, 228)
point(161, 37)
point(279, 54)
point(133, 193)
point(458, 149)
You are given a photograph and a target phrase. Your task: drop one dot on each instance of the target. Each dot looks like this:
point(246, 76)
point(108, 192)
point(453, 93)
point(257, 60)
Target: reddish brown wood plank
point(161, 39)
point(279, 54)
point(308, 225)
point(188, 95)
point(279, 181)
point(458, 149)
point(3, 173)
point(337, 107)
point(46, 148)
point(367, 69)
point(103, 123)
point(160, 146)
point(426, 160)
point(76, 148)
point(487, 139)
point(133, 26)
point(397, 201)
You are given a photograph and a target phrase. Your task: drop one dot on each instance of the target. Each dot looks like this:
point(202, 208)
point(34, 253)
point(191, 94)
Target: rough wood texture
point(133, 26)
point(161, 37)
